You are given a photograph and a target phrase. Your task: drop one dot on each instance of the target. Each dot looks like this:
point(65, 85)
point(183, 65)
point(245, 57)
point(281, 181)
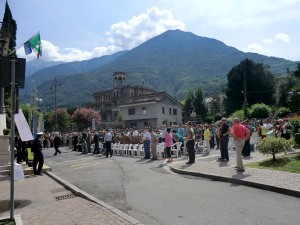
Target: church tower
point(119, 78)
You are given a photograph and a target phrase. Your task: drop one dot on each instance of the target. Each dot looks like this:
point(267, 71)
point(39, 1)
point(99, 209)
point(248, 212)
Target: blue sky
point(73, 30)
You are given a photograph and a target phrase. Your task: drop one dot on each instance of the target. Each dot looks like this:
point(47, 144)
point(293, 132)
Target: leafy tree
point(282, 112)
point(295, 122)
point(284, 86)
point(238, 113)
point(199, 103)
point(273, 146)
point(216, 107)
point(260, 111)
point(63, 120)
point(188, 106)
point(294, 99)
point(296, 73)
point(259, 85)
point(84, 116)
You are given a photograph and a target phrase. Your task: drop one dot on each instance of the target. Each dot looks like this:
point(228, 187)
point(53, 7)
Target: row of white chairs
point(138, 149)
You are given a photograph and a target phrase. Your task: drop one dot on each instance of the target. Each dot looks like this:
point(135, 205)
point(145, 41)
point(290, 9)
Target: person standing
point(168, 144)
point(56, 143)
point(240, 133)
point(75, 141)
point(96, 142)
point(107, 140)
point(207, 138)
point(38, 158)
point(225, 130)
point(190, 142)
point(153, 144)
point(83, 143)
point(146, 140)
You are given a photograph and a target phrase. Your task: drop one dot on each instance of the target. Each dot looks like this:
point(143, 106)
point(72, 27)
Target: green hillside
point(174, 61)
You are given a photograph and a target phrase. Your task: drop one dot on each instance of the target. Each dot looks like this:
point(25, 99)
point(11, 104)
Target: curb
point(83, 194)
point(237, 181)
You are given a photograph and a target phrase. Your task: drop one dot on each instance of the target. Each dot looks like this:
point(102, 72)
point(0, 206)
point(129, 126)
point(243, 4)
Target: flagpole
point(22, 44)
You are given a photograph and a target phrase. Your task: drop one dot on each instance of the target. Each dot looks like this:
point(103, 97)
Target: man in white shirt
point(146, 140)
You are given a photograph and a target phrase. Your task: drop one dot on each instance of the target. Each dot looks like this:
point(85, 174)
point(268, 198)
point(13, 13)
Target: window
point(145, 124)
point(131, 111)
point(170, 124)
point(163, 110)
point(174, 111)
point(170, 111)
point(133, 124)
point(144, 111)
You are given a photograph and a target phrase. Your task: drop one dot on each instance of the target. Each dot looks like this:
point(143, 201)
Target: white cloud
point(255, 47)
point(282, 37)
point(268, 41)
point(121, 36)
point(126, 35)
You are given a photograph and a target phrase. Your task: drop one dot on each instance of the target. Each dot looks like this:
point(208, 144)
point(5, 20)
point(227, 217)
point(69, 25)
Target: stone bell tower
point(119, 78)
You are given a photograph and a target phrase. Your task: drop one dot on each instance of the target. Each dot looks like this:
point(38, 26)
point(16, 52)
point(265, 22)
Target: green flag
point(35, 44)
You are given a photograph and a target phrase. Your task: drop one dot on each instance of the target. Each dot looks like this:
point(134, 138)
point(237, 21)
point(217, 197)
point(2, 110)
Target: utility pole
point(56, 82)
point(245, 96)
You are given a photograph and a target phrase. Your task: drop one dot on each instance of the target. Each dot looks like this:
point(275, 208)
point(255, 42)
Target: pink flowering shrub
point(84, 116)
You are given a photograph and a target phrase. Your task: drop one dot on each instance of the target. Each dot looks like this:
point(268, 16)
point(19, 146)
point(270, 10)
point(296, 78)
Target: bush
point(295, 123)
point(260, 110)
point(282, 112)
point(273, 146)
point(239, 114)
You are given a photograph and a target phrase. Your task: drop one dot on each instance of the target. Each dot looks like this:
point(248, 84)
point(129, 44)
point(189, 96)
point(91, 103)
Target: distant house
point(138, 106)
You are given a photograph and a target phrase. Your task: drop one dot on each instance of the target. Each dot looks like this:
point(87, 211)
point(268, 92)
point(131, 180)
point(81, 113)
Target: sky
point(75, 30)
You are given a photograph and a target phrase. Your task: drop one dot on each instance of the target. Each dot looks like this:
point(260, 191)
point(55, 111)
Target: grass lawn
point(288, 163)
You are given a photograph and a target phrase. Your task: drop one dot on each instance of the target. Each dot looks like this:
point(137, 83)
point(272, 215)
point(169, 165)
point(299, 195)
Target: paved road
point(153, 195)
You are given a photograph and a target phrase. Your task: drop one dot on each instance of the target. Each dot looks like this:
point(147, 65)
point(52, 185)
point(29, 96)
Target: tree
point(260, 111)
point(296, 73)
point(8, 18)
point(12, 29)
point(284, 86)
point(63, 120)
point(84, 116)
point(259, 85)
point(188, 106)
point(199, 103)
point(216, 108)
point(294, 99)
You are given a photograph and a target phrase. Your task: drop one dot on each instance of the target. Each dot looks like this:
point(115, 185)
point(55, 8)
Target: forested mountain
point(36, 65)
point(174, 61)
point(64, 69)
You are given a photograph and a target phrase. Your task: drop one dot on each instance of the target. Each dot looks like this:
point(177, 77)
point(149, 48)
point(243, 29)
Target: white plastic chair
point(141, 151)
point(160, 149)
point(135, 149)
point(130, 150)
point(176, 148)
point(120, 149)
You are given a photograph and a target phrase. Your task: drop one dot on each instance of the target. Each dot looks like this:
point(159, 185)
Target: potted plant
point(6, 131)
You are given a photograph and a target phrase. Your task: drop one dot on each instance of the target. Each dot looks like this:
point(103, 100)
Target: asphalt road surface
point(150, 193)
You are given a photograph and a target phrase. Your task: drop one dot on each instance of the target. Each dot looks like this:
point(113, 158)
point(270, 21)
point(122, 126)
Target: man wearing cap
point(38, 154)
point(190, 142)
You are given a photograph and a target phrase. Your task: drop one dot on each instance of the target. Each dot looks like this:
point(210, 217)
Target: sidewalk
point(41, 200)
point(208, 167)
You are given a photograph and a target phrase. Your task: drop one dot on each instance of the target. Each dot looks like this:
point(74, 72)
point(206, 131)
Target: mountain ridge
point(174, 61)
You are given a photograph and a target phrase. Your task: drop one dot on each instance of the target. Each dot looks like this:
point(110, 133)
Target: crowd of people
point(213, 136)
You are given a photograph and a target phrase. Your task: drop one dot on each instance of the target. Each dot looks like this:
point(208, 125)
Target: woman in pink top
point(168, 144)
